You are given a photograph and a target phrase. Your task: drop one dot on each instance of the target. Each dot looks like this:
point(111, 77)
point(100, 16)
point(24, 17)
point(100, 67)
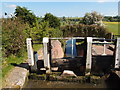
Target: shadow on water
point(113, 81)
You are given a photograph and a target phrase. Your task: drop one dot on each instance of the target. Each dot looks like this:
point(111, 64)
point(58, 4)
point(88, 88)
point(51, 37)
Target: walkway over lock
point(88, 59)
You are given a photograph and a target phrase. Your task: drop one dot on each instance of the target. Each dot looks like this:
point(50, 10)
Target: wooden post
point(117, 54)
point(104, 49)
point(46, 55)
point(30, 52)
point(89, 54)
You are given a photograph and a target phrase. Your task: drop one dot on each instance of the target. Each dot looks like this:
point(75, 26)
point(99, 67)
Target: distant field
point(113, 27)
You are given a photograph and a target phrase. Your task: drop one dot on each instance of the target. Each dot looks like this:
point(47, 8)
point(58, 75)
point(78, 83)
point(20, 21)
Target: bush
point(13, 36)
point(54, 22)
point(42, 29)
point(93, 18)
point(55, 32)
point(82, 30)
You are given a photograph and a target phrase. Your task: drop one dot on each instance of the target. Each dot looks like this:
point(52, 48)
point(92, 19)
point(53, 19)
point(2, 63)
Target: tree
point(81, 30)
point(64, 19)
point(40, 30)
point(112, 19)
point(93, 18)
point(54, 22)
point(25, 14)
point(13, 36)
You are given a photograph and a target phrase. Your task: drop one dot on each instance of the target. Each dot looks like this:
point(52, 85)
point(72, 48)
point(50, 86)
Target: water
point(59, 84)
point(113, 81)
point(71, 48)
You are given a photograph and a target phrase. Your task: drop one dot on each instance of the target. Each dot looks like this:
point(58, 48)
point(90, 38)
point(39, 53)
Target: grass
point(113, 27)
point(0, 79)
point(7, 62)
point(36, 47)
point(7, 65)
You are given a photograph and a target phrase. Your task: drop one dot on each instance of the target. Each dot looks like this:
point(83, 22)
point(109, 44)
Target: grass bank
point(8, 63)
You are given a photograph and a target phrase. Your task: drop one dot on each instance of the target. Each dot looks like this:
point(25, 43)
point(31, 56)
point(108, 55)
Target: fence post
point(117, 54)
point(89, 54)
point(104, 48)
point(46, 55)
point(30, 52)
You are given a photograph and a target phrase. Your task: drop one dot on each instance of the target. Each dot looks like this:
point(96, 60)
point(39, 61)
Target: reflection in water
point(71, 48)
point(113, 81)
point(58, 84)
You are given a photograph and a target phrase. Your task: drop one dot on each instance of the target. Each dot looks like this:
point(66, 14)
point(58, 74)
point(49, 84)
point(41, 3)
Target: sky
point(69, 8)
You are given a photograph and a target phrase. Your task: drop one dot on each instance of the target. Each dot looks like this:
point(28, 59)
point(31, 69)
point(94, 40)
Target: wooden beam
point(118, 73)
point(117, 54)
point(46, 55)
point(89, 53)
point(30, 52)
point(95, 38)
point(69, 38)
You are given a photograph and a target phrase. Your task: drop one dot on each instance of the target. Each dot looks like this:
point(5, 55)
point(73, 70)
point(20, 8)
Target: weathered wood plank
point(89, 53)
point(117, 54)
point(46, 55)
point(30, 52)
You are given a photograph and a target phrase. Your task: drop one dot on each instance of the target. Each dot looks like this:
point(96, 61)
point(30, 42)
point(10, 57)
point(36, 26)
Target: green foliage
point(112, 19)
point(54, 22)
point(25, 14)
point(84, 30)
point(13, 36)
point(55, 32)
point(39, 30)
point(42, 29)
point(92, 18)
point(70, 20)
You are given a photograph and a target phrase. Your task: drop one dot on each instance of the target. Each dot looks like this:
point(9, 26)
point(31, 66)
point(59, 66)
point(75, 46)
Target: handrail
point(102, 43)
point(94, 38)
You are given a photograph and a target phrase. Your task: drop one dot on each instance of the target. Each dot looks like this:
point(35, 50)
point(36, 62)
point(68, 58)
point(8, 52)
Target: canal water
point(71, 48)
point(113, 81)
point(59, 84)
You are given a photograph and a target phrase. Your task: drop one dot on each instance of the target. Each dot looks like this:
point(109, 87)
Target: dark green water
point(113, 81)
point(59, 84)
